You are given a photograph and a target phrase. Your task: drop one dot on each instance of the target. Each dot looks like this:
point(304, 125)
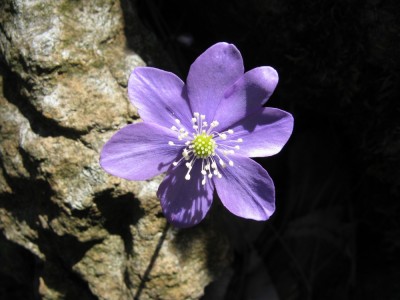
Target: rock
point(82, 233)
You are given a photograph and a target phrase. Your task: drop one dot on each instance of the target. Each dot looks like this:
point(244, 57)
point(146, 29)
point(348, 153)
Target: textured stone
point(64, 70)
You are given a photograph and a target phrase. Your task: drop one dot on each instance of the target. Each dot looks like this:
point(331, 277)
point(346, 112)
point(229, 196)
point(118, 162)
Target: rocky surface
point(69, 229)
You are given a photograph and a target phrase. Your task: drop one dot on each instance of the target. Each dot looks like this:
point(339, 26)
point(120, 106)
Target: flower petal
point(246, 95)
point(185, 202)
point(263, 133)
point(211, 74)
point(139, 151)
point(246, 189)
point(159, 97)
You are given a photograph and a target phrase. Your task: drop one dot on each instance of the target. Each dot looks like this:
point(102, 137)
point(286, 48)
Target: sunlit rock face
point(69, 229)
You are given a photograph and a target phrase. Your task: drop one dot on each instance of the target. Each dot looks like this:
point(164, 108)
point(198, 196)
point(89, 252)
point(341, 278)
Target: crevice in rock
point(62, 252)
point(29, 164)
point(66, 249)
point(119, 212)
point(31, 199)
point(28, 200)
point(40, 125)
point(16, 271)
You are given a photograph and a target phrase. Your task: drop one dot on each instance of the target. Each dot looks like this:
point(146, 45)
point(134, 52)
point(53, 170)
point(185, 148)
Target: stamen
point(201, 142)
point(214, 123)
point(228, 152)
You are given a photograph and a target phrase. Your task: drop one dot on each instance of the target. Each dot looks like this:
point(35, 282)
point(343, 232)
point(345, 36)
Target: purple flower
point(203, 133)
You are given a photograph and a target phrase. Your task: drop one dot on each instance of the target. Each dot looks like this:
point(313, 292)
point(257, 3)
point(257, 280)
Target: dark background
point(336, 231)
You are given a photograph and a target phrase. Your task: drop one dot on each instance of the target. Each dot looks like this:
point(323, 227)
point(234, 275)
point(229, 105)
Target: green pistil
point(203, 145)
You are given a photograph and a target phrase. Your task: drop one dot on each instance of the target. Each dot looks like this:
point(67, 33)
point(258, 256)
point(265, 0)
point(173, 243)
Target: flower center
point(202, 144)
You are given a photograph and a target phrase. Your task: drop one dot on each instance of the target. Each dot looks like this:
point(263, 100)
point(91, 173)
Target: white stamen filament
point(202, 143)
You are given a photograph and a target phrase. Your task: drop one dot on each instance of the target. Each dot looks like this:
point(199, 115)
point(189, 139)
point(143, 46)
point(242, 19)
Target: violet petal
point(246, 189)
point(263, 133)
point(159, 97)
point(185, 202)
point(246, 95)
point(139, 151)
point(211, 74)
